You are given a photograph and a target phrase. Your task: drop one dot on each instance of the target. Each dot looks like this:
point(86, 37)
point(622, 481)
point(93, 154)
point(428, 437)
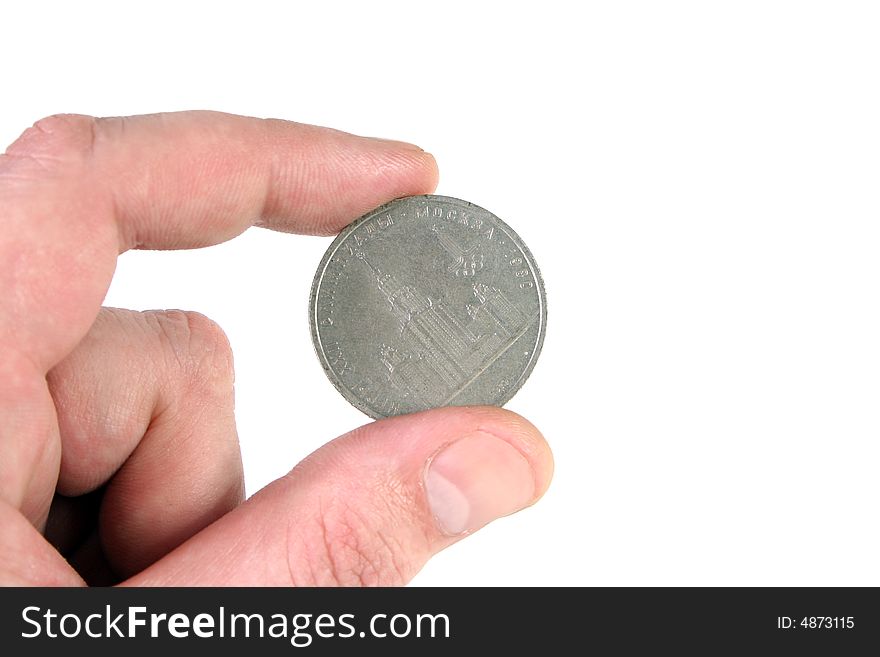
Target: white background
point(698, 182)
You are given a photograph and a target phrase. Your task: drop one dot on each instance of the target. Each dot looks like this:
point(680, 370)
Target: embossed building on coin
point(436, 355)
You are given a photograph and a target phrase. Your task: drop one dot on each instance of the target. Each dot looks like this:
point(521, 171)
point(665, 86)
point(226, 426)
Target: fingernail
point(476, 479)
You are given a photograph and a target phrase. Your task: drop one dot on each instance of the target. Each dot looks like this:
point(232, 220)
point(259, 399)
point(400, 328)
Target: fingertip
point(418, 438)
point(521, 434)
point(494, 464)
point(426, 430)
point(432, 172)
point(331, 178)
point(530, 442)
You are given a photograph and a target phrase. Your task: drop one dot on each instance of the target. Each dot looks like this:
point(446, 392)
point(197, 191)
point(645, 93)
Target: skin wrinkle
point(345, 559)
point(326, 553)
point(288, 552)
point(394, 548)
point(372, 560)
point(301, 564)
point(94, 136)
point(266, 204)
point(8, 158)
point(349, 525)
point(368, 562)
point(333, 562)
point(233, 551)
point(47, 453)
point(407, 504)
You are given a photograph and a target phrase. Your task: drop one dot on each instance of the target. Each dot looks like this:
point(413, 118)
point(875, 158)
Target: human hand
point(125, 418)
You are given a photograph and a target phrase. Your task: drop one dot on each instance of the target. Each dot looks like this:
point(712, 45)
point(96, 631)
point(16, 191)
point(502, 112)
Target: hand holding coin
point(119, 457)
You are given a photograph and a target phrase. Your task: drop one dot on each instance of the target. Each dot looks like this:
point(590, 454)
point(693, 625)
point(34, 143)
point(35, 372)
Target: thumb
point(371, 507)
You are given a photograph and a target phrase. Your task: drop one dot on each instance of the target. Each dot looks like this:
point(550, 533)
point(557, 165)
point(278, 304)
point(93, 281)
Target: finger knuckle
point(56, 142)
point(199, 348)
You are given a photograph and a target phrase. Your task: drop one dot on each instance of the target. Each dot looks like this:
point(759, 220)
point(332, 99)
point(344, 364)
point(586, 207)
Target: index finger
point(75, 191)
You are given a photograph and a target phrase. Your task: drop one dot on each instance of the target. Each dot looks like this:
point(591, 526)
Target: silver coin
point(427, 301)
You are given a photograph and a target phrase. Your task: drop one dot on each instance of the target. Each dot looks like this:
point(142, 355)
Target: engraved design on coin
point(427, 301)
point(468, 261)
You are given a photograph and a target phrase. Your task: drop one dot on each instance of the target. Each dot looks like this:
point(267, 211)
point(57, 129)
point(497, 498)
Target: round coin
point(427, 301)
